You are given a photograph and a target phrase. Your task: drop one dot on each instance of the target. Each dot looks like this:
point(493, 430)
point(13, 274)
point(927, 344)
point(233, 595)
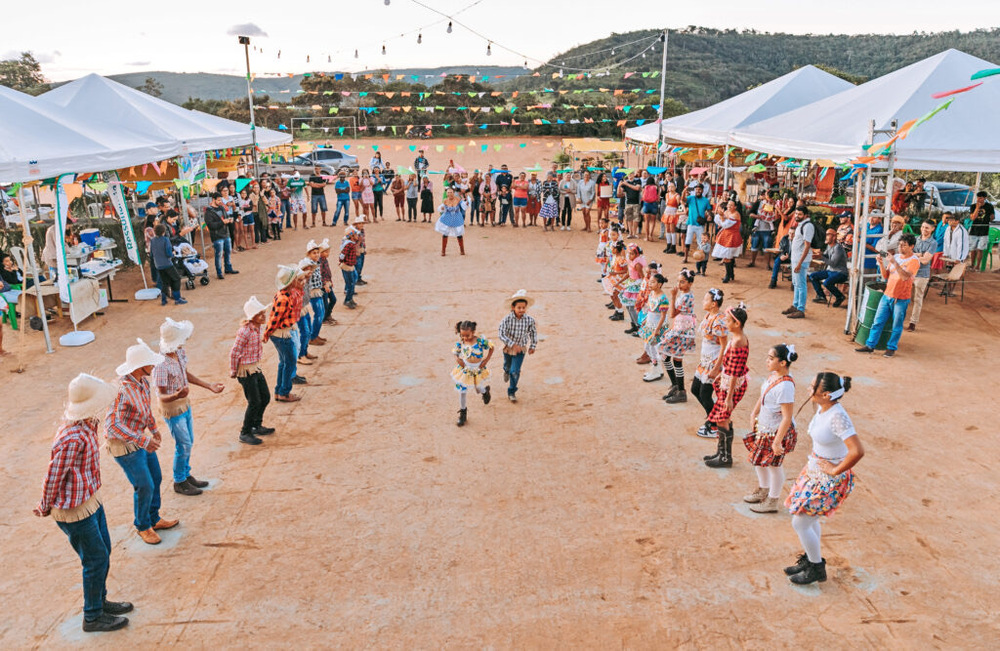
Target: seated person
point(784, 256)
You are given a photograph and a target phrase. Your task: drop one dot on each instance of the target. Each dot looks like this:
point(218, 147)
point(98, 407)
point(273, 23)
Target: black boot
point(801, 563)
point(197, 483)
point(462, 417)
point(725, 458)
point(814, 572)
point(718, 446)
point(486, 396)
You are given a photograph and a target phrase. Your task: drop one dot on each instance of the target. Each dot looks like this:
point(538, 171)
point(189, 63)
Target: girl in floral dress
point(714, 335)
point(633, 286)
point(827, 479)
point(730, 386)
point(773, 434)
point(654, 325)
point(641, 303)
point(679, 340)
point(603, 237)
point(615, 280)
point(472, 353)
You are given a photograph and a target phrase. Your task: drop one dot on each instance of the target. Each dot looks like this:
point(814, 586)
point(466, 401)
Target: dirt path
point(580, 517)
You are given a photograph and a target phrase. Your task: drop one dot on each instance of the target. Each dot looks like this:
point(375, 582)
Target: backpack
point(650, 194)
point(819, 235)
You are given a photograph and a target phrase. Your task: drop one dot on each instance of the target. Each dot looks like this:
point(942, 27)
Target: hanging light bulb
point(449, 27)
point(355, 54)
point(489, 50)
point(307, 58)
point(526, 64)
point(612, 51)
point(643, 55)
point(420, 39)
point(279, 54)
point(383, 49)
point(387, 2)
point(329, 59)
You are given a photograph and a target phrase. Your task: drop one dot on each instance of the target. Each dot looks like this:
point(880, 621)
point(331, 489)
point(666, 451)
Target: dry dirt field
point(581, 517)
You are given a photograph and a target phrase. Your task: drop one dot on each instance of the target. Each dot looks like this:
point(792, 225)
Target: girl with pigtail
point(730, 386)
point(827, 478)
point(773, 434)
point(679, 340)
point(472, 353)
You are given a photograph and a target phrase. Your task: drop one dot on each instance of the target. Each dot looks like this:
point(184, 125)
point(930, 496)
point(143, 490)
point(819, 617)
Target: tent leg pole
point(29, 250)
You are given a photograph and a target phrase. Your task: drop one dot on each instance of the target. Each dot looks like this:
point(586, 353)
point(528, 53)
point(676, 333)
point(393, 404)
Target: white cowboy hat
point(253, 307)
point(137, 356)
point(307, 264)
point(325, 244)
point(89, 397)
point(285, 276)
point(313, 244)
point(358, 220)
point(520, 295)
point(173, 334)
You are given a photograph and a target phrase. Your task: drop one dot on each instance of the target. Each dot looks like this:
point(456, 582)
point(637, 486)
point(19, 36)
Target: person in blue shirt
point(698, 206)
point(875, 231)
point(343, 190)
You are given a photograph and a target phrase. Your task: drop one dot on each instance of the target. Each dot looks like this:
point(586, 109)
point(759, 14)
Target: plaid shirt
point(285, 312)
point(518, 332)
point(324, 270)
point(349, 253)
point(171, 374)
point(315, 279)
point(75, 467)
point(247, 349)
point(131, 413)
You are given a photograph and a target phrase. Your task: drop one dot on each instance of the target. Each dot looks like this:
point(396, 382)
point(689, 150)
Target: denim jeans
point(223, 249)
point(305, 334)
point(91, 542)
point(512, 365)
point(143, 471)
point(894, 308)
point(182, 429)
point(342, 204)
point(319, 313)
point(828, 279)
point(775, 270)
point(800, 281)
point(287, 360)
point(329, 300)
point(286, 209)
point(350, 277)
point(257, 395)
point(505, 210)
point(359, 266)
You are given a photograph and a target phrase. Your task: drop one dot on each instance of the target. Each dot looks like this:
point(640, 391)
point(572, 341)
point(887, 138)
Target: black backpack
point(819, 234)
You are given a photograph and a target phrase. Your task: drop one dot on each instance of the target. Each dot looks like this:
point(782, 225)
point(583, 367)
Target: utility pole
point(663, 90)
point(245, 42)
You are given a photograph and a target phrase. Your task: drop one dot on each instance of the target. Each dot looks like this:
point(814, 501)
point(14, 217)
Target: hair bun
point(846, 383)
point(792, 357)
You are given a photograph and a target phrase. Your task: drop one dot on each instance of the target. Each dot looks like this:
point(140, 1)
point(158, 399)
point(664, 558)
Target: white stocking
point(776, 481)
point(761, 476)
point(461, 400)
point(808, 529)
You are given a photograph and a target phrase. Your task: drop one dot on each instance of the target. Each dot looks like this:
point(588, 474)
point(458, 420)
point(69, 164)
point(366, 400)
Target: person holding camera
point(899, 271)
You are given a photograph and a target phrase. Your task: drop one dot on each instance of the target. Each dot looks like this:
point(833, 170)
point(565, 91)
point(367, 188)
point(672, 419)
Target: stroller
point(189, 264)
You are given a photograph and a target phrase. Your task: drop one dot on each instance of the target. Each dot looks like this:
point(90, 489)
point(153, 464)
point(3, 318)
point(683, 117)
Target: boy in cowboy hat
point(329, 298)
point(244, 365)
point(70, 494)
point(518, 333)
point(348, 260)
point(314, 287)
point(306, 268)
point(172, 378)
point(125, 428)
point(282, 330)
point(359, 266)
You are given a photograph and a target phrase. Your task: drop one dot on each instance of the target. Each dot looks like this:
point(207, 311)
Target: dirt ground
point(581, 517)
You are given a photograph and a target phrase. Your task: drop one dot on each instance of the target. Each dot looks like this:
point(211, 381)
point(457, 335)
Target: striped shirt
point(131, 414)
point(247, 349)
point(518, 331)
point(74, 473)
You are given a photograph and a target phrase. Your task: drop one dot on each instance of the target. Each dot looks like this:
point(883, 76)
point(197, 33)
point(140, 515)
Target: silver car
point(301, 164)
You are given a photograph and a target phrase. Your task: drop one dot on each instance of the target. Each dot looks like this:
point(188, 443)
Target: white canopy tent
point(96, 98)
point(964, 138)
point(712, 125)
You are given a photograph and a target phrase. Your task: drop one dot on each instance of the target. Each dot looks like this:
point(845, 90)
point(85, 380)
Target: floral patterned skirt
point(817, 493)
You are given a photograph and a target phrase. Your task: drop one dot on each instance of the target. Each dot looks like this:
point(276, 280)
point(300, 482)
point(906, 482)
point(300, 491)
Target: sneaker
point(104, 623)
point(361, 282)
point(117, 607)
point(486, 396)
point(305, 360)
point(232, 271)
point(889, 353)
point(617, 316)
point(180, 301)
point(673, 390)
point(676, 397)
point(250, 439)
point(707, 432)
point(652, 375)
point(185, 488)
point(512, 397)
point(864, 349)
point(351, 305)
point(262, 431)
point(298, 379)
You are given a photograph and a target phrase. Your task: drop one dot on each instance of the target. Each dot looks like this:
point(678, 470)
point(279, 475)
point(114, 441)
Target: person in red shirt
point(282, 329)
point(244, 365)
point(71, 495)
point(899, 271)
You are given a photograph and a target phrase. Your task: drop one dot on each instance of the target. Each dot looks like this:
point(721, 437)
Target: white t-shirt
point(802, 243)
point(769, 418)
point(829, 430)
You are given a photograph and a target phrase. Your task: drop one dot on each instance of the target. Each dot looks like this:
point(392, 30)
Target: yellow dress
point(473, 355)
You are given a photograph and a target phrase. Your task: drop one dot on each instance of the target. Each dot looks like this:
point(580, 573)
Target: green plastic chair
point(11, 314)
point(993, 241)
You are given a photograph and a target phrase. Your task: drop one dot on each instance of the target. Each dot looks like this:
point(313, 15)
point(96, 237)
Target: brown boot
point(444, 244)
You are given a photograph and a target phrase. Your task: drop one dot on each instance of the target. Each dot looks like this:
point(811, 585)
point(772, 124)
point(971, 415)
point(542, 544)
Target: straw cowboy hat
point(253, 307)
point(325, 244)
point(173, 334)
point(137, 356)
point(313, 244)
point(89, 397)
point(358, 220)
point(697, 255)
point(306, 265)
point(285, 276)
point(519, 295)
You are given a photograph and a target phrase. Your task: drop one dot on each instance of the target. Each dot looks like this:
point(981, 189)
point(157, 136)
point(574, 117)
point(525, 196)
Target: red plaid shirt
point(75, 467)
point(131, 414)
point(349, 253)
point(171, 374)
point(247, 349)
point(324, 270)
point(285, 312)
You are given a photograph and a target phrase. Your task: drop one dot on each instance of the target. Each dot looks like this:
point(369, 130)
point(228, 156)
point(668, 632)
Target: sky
point(119, 36)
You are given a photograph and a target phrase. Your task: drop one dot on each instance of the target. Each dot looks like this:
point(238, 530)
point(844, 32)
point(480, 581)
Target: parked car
point(301, 164)
point(949, 197)
point(334, 158)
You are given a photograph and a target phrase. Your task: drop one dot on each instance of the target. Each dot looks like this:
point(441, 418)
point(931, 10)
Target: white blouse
point(829, 430)
point(769, 417)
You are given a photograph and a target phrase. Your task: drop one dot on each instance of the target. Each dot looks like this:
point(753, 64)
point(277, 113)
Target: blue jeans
point(761, 240)
point(319, 313)
point(223, 249)
point(800, 281)
point(91, 542)
point(287, 361)
point(344, 204)
point(359, 266)
point(286, 209)
point(182, 429)
point(143, 471)
point(828, 279)
point(318, 203)
point(894, 308)
point(305, 334)
point(512, 365)
point(505, 211)
point(350, 277)
point(776, 269)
